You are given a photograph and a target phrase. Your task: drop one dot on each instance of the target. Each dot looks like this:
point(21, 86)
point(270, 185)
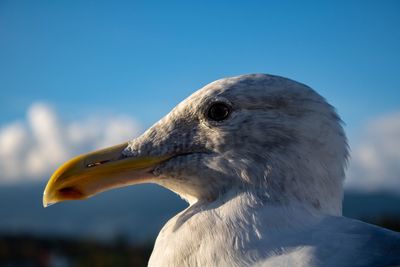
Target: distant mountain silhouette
point(137, 213)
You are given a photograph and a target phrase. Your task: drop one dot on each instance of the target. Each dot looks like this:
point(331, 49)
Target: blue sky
point(142, 58)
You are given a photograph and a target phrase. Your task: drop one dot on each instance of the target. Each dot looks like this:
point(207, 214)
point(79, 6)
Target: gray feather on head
point(280, 141)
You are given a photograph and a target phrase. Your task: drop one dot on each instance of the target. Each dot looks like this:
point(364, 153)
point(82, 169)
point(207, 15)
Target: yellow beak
point(89, 174)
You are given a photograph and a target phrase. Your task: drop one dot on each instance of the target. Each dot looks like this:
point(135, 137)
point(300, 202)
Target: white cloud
point(32, 149)
point(375, 162)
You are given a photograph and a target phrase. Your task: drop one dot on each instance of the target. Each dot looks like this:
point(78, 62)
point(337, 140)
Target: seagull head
point(263, 135)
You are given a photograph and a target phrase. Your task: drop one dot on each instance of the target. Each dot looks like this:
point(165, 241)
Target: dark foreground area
point(27, 251)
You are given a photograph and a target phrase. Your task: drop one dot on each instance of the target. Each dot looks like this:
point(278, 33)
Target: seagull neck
point(251, 210)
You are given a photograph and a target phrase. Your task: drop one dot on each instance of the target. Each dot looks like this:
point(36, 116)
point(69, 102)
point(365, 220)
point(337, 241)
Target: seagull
point(260, 159)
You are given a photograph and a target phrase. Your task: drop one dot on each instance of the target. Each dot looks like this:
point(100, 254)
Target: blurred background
point(80, 75)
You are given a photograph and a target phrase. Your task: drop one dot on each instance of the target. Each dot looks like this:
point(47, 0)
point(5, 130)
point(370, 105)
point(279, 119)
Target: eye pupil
point(218, 112)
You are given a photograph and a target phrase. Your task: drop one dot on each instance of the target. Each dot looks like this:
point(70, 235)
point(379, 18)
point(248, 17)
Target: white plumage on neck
point(240, 231)
point(237, 230)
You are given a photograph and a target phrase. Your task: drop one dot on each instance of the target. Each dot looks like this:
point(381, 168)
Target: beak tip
point(46, 203)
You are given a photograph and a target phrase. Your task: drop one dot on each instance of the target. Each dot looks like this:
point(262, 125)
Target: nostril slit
point(123, 156)
point(97, 163)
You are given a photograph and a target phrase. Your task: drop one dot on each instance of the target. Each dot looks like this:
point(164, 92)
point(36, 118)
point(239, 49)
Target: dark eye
point(218, 111)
